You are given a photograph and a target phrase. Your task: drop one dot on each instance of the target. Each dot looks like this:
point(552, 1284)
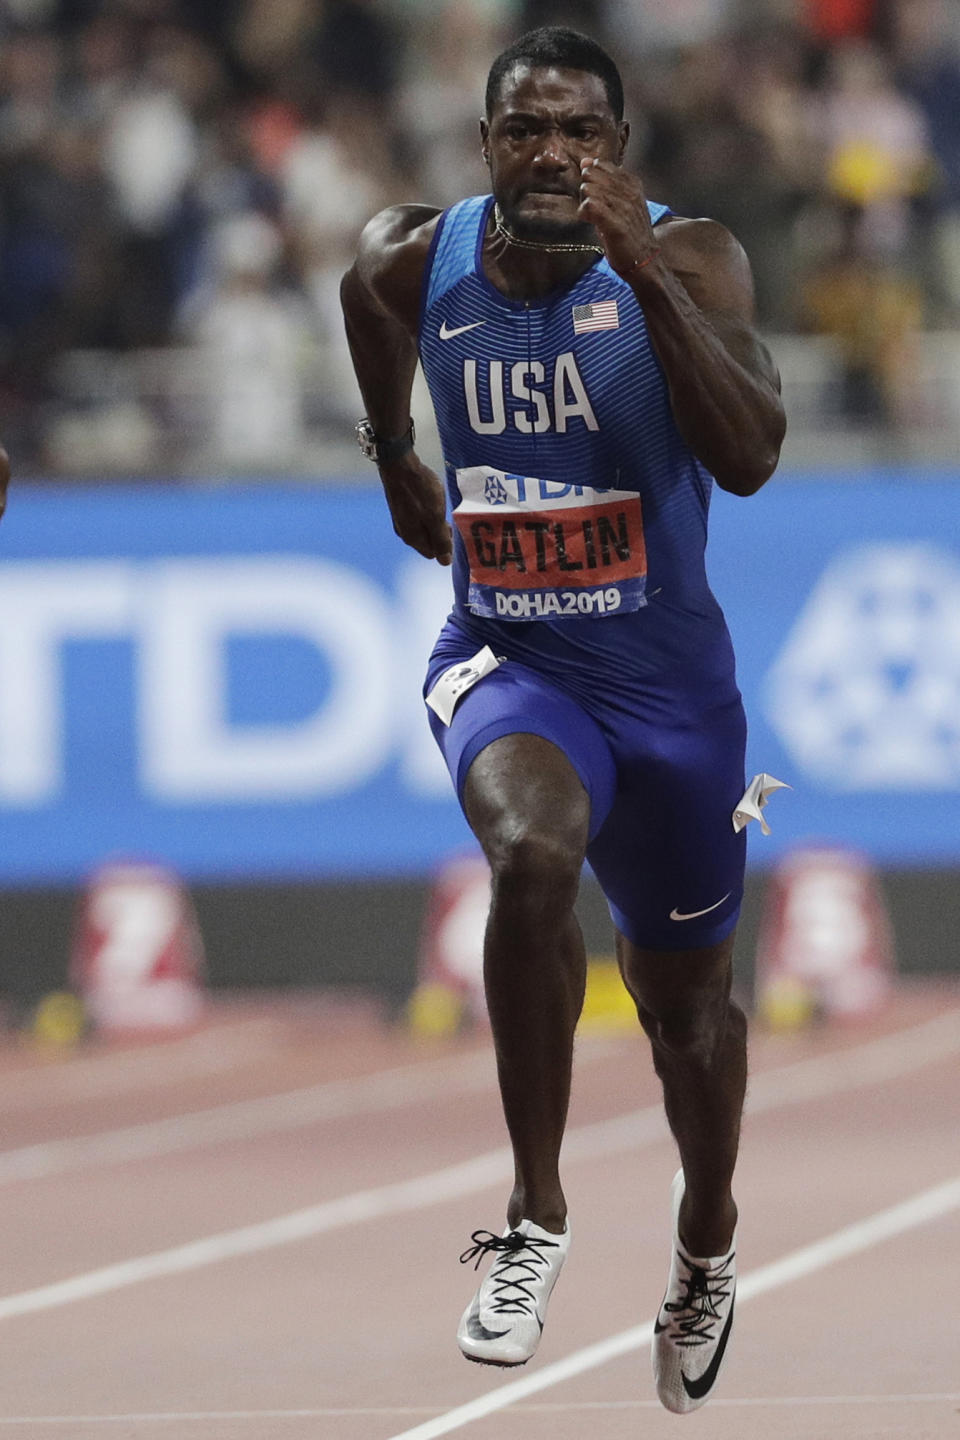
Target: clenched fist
point(613, 201)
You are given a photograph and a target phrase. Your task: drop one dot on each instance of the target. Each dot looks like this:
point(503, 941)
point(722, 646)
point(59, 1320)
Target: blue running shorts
point(662, 843)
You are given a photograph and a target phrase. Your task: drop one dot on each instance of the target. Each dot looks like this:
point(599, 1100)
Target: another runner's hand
point(418, 507)
point(613, 201)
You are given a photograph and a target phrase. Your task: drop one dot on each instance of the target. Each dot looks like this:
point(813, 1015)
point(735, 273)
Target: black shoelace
point(512, 1295)
point(696, 1311)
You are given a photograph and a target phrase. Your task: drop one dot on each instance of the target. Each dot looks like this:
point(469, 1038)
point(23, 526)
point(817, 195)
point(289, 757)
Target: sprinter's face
point(545, 122)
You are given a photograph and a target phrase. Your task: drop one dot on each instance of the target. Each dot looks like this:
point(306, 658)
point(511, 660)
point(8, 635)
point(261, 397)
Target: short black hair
point(552, 45)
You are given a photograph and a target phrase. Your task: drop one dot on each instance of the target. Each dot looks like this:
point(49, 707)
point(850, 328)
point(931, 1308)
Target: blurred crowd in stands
point(192, 175)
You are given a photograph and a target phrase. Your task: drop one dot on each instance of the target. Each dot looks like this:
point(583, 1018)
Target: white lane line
point(788, 1402)
point(339, 1412)
point(384, 1090)
point(851, 1240)
point(175, 1417)
point(451, 1183)
point(167, 1417)
point(887, 1058)
point(247, 1119)
point(167, 1062)
point(855, 1067)
point(482, 1172)
point(865, 1064)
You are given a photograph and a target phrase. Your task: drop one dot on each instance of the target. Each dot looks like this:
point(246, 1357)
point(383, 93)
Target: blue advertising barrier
point(229, 680)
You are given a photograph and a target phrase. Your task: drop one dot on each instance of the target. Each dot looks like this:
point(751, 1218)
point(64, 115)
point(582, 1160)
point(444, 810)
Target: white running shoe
point(503, 1323)
point(693, 1324)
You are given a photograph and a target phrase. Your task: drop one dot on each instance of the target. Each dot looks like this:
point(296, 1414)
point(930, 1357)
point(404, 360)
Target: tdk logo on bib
point(495, 491)
point(502, 487)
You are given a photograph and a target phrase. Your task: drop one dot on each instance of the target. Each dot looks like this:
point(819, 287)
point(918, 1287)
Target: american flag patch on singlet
point(601, 315)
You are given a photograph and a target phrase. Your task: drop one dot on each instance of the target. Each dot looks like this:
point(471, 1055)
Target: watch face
point(367, 440)
point(383, 450)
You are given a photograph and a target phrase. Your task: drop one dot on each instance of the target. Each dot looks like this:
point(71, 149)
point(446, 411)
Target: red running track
point(251, 1233)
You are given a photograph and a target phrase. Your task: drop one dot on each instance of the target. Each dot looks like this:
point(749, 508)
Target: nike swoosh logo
point(476, 1331)
point(447, 334)
point(696, 1389)
point(695, 914)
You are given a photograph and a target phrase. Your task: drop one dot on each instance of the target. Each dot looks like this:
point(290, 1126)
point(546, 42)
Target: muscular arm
point(380, 295)
point(724, 389)
point(696, 292)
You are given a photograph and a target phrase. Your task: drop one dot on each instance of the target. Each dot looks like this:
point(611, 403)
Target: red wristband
point(638, 264)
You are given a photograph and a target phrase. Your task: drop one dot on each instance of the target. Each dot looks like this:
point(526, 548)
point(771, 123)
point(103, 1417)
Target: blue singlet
point(580, 522)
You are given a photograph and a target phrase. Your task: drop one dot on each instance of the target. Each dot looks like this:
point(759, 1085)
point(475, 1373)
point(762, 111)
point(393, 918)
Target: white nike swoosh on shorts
point(695, 914)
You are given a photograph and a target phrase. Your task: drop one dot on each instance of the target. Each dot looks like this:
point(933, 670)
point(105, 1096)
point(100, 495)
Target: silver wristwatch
point(382, 451)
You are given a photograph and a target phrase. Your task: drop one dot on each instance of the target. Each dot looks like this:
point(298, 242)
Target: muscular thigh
point(522, 786)
point(667, 857)
point(519, 747)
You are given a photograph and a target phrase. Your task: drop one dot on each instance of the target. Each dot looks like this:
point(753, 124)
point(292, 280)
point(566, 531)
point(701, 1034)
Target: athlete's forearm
point(384, 357)
point(385, 360)
point(729, 413)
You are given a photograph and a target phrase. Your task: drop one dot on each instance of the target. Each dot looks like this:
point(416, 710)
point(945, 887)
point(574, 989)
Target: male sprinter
point(594, 367)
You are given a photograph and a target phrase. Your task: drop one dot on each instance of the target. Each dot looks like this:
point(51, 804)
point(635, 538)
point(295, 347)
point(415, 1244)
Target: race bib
point(537, 548)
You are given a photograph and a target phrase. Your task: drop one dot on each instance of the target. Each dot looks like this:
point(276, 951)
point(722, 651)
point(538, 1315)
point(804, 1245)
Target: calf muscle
point(530, 813)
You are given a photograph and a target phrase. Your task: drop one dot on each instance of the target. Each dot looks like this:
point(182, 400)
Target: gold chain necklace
point(553, 249)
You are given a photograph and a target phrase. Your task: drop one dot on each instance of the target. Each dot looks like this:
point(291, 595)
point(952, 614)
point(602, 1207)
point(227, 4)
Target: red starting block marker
point(449, 989)
point(137, 961)
point(826, 944)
